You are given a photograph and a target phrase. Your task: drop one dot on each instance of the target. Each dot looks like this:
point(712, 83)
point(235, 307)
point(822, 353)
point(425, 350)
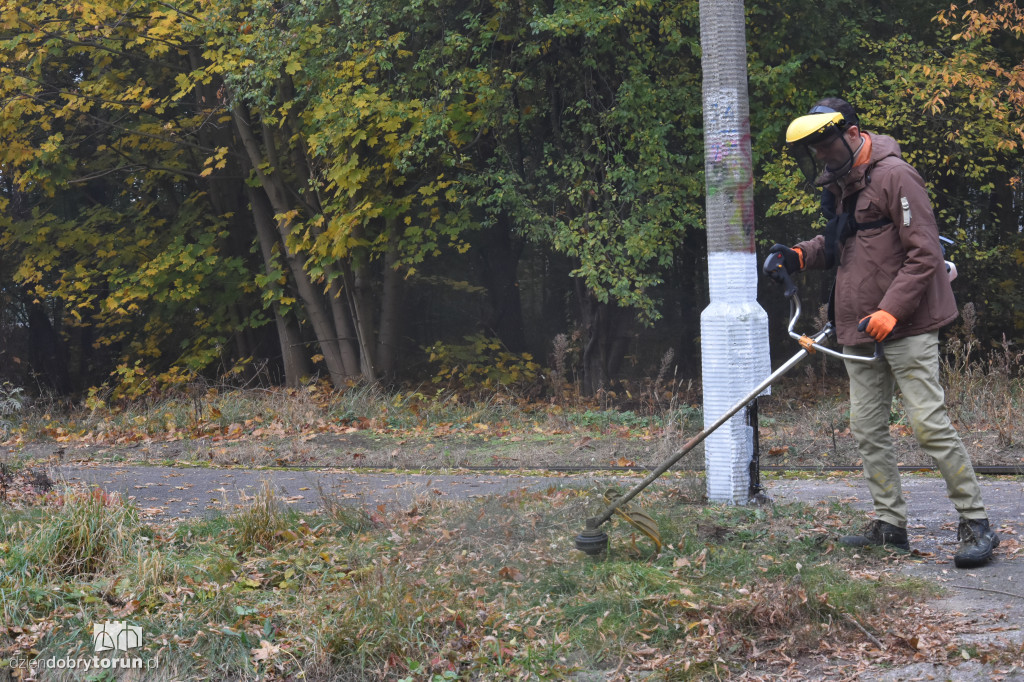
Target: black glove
point(790, 259)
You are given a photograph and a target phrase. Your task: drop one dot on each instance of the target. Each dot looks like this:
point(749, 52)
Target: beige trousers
point(912, 364)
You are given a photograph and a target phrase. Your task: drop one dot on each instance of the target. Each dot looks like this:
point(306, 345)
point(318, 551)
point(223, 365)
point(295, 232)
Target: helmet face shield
point(819, 146)
point(813, 171)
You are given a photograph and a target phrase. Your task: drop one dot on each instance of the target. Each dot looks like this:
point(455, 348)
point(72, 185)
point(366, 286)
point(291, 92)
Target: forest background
point(474, 191)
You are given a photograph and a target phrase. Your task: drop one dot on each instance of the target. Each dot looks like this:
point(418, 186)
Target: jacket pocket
point(870, 212)
point(870, 290)
point(880, 248)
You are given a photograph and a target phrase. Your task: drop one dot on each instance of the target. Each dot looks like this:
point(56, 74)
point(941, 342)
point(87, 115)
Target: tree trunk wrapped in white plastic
point(734, 327)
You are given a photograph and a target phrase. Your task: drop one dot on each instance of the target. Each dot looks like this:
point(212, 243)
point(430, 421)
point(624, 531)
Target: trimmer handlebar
point(775, 267)
point(811, 344)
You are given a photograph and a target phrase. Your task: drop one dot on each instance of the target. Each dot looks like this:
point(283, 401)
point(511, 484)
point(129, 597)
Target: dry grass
point(488, 589)
point(984, 389)
point(262, 523)
point(805, 421)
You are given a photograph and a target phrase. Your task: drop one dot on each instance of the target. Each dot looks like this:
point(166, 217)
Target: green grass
point(490, 589)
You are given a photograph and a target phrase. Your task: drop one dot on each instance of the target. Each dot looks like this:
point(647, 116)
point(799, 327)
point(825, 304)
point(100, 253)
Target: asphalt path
point(179, 493)
point(991, 597)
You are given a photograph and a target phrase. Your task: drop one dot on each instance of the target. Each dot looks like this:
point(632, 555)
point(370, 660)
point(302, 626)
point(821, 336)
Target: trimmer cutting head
point(592, 541)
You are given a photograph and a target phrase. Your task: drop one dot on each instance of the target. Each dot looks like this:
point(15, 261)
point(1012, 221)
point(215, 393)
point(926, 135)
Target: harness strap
point(842, 225)
point(872, 225)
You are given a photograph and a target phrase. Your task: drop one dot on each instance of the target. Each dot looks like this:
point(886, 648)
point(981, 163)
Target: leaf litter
point(487, 589)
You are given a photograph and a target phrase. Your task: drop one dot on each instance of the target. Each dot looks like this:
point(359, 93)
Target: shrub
point(482, 362)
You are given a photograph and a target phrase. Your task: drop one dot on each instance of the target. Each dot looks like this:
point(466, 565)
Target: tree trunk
point(360, 285)
point(47, 352)
point(390, 310)
point(499, 254)
point(313, 302)
point(294, 357)
point(606, 338)
point(347, 340)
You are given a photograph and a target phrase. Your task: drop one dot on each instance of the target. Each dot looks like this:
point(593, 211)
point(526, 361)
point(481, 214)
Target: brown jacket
point(897, 267)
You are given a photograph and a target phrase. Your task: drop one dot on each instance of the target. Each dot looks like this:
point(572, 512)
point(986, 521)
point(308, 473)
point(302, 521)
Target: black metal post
point(755, 461)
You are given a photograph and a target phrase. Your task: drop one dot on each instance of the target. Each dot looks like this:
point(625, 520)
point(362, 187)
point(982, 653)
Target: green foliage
point(12, 401)
point(602, 419)
point(594, 114)
point(482, 362)
point(107, 216)
point(175, 177)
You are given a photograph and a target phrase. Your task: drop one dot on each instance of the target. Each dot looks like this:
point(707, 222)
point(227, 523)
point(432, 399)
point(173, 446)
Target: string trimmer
point(594, 541)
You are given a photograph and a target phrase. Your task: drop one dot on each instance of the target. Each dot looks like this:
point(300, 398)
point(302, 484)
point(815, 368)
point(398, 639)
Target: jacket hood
point(882, 147)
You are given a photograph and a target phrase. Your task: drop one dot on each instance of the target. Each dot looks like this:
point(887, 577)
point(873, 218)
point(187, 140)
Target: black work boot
point(878, 533)
point(977, 541)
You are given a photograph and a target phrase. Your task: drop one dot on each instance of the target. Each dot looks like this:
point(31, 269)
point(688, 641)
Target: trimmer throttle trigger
point(879, 347)
point(775, 267)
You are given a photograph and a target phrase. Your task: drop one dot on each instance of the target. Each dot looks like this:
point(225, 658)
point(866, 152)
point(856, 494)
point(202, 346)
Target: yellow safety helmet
point(819, 126)
point(815, 128)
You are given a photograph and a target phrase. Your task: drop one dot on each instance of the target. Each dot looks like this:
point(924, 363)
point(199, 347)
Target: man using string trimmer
point(891, 286)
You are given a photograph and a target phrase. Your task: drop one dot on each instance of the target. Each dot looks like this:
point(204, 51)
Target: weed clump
point(262, 523)
point(81, 532)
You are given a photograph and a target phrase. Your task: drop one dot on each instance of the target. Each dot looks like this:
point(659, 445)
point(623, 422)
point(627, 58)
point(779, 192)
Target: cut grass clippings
point(487, 589)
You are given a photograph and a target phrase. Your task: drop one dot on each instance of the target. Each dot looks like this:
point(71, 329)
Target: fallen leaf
point(126, 610)
point(511, 573)
point(266, 651)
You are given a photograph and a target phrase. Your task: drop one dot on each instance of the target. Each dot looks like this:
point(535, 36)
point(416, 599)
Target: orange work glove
point(800, 255)
point(878, 325)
